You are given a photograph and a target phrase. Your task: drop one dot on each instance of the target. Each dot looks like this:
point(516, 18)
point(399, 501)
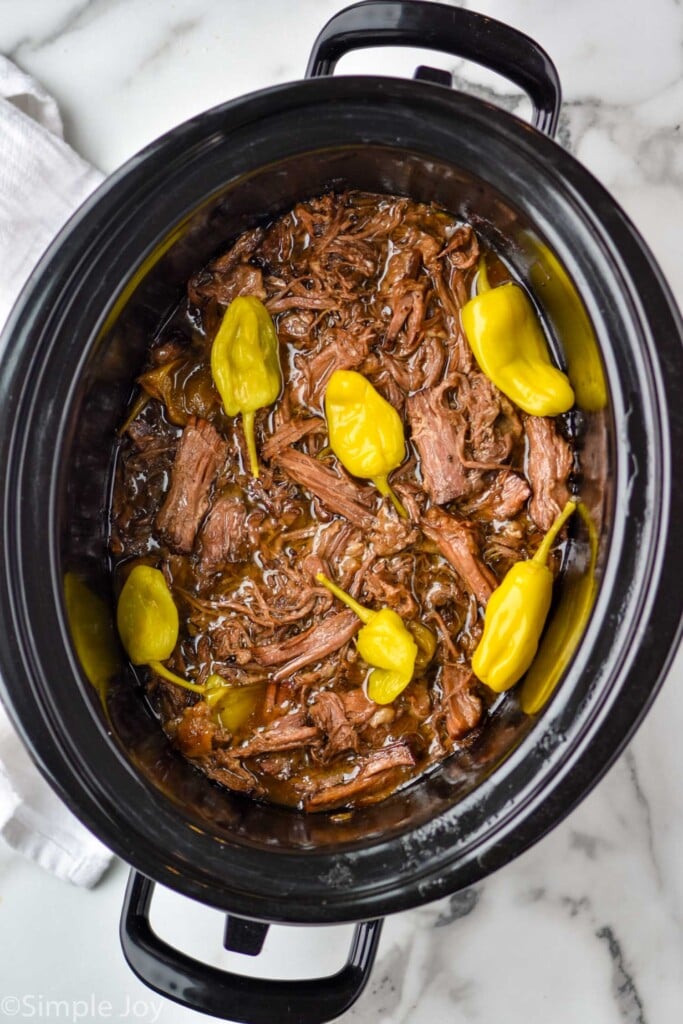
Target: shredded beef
point(390, 533)
point(494, 426)
point(457, 541)
point(504, 499)
point(341, 350)
point(223, 767)
point(398, 755)
point(463, 707)
point(328, 714)
point(352, 280)
point(291, 432)
point(313, 644)
point(223, 537)
point(436, 432)
point(463, 248)
point(336, 492)
point(358, 707)
point(548, 466)
point(287, 733)
point(230, 275)
point(200, 454)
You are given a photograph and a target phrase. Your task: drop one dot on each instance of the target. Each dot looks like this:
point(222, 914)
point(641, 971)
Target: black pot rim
point(575, 757)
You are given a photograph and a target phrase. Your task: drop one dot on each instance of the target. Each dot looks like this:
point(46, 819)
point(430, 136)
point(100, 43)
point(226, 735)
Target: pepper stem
point(382, 485)
point(482, 277)
point(166, 673)
point(363, 613)
point(248, 424)
point(541, 556)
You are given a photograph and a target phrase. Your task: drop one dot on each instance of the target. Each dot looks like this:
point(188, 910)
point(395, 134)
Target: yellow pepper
point(146, 616)
point(565, 631)
point(232, 704)
point(92, 632)
point(245, 364)
point(509, 345)
point(426, 644)
point(148, 625)
point(384, 643)
point(564, 308)
point(515, 616)
point(366, 433)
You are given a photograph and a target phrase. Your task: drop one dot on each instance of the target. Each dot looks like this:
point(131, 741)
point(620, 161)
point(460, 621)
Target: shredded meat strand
point(398, 755)
point(463, 706)
point(456, 540)
point(223, 537)
point(549, 465)
point(200, 454)
point(337, 493)
point(437, 433)
point(329, 715)
point(311, 645)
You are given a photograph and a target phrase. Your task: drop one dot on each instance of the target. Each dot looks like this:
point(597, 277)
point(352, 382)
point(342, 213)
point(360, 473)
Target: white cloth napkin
point(42, 181)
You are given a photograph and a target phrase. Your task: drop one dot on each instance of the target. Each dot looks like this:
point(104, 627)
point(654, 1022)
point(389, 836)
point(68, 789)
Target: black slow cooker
point(75, 342)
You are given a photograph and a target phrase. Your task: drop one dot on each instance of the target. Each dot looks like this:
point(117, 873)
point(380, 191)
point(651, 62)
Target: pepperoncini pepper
point(92, 632)
point(565, 631)
point(384, 643)
point(515, 616)
point(147, 621)
point(426, 644)
point(366, 433)
point(245, 364)
point(508, 343)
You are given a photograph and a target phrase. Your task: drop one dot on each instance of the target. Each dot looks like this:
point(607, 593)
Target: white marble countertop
point(588, 925)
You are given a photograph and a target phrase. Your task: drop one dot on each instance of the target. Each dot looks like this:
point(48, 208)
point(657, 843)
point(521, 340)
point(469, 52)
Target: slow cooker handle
point(451, 30)
point(232, 996)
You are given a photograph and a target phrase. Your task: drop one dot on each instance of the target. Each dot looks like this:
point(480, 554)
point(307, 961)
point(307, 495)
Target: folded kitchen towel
point(42, 181)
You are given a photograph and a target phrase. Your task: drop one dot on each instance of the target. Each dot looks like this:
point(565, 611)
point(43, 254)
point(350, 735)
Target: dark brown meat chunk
point(494, 426)
point(195, 731)
point(462, 248)
point(200, 455)
point(319, 301)
point(223, 537)
point(383, 586)
point(506, 496)
point(404, 266)
point(463, 707)
point(358, 707)
point(149, 438)
point(417, 700)
point(370, 775)
point(291, 432)
point(337, 493)
point(314, 643)
point(225, 768)
point(328, 714)
point(288, 733)
point(342, 349)
point(390, 533)
point(437, 431)
point(457, 542)
point(548, 467)
point(230, 275)
point(409, 308)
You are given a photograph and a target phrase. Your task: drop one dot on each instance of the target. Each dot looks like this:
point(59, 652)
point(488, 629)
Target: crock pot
point(74, 344)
